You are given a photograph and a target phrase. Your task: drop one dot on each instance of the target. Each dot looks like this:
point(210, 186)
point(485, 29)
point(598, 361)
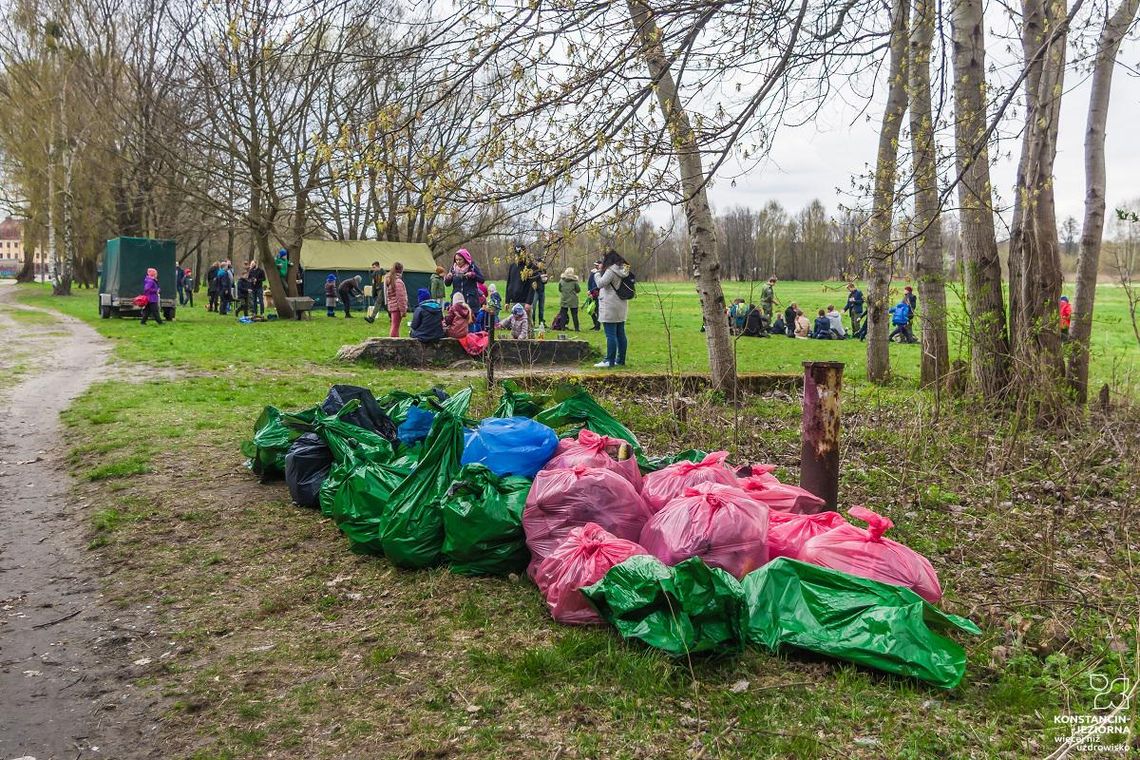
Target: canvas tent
point(348, 258)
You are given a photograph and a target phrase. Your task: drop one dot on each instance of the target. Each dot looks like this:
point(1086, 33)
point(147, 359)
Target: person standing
point(768, 298)
point(188, 287)
point(245, 296)
point(568, 290)
point(212, 287)
point(1065, 312)
point(464, 277)
point(436, 286)
point(377, 274)
point(257, 287)
point(854, 306)
point(521, 277)
point(330, 295)
point(540, 280)
point(178, 286)
point(592, 294)
point(912, 301)
point(612, 308)
point(225, 285)
point(348, 290)
point(150, 290)
point(395, 297)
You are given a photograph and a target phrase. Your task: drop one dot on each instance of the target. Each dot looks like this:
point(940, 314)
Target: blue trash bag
point(416, 426)
point(510, 446)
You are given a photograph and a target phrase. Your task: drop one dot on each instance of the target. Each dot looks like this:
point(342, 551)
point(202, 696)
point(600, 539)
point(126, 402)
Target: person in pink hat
point(464, 277)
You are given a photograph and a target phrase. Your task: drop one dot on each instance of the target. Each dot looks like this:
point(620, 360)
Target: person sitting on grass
point(779, 327)
point(737, 314)
point(822, 328)
point(803, 326)
point(517, 322)
point(459, 317)
point(790, 319)
point(836, 319)
point(900, 318)
point(427, 320)
point(755, 324)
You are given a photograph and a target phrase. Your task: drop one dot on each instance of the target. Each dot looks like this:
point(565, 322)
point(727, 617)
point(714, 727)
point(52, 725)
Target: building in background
point(12, 250)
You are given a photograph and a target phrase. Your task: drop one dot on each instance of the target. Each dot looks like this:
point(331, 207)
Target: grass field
point(287, 645)
point(205, 341)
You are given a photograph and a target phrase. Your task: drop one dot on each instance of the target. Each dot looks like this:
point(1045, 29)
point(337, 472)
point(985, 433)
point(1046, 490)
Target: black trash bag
point(368, 415)
point(306, 466)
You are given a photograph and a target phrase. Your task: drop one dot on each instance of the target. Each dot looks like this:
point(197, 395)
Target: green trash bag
point(271, 441)
point(681, 610)
point(482, 523)
point(411, 532)
point(516, 403)
point(875, 624)
point(577, 409)
point(364, 474)
point(653, 464)
point(396, 403)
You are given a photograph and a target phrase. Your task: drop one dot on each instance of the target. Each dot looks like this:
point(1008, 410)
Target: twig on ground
point(57, 620)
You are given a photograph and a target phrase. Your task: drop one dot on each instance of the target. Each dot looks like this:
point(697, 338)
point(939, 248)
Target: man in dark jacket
point(225, 289)
point(790, 320)
point(346, 290)
point(520, 277)
point(257, 287)
point(212, 287)
point(854, 306)
point(178, 284)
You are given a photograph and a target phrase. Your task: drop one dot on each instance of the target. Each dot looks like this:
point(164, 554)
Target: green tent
point(348, 258)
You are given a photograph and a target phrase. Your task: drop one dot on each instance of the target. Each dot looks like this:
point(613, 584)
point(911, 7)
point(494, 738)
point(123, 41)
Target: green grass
point(290, 645)
point(204, 341)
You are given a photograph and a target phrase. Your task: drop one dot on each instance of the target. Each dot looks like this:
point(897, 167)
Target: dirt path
point(64, 656)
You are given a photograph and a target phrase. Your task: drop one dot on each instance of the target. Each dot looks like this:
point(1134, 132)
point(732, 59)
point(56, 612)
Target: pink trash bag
point(864, 551)
point(586, 555)
point(781, 497)
point(560, 500)
point(663, 486)
point(592, 450)
point(788, 532)
point(720, 524)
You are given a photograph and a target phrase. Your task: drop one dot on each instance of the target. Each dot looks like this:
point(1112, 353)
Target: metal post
point(819, 455)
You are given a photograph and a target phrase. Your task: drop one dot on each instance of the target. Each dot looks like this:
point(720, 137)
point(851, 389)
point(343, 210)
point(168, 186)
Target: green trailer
point(125, 261)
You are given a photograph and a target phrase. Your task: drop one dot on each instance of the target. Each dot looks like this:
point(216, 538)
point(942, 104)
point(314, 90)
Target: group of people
point(226, 290)
point(750, 321)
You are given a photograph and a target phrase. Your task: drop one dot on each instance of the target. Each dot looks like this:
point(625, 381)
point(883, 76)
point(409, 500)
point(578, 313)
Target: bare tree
point(989, 341)
point(1092, 231)
point(927, 210)
point(881, 254)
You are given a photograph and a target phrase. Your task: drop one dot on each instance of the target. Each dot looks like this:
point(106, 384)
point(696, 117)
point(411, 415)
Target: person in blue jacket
point(427, 320)
point(821, 330)
point(900, 318)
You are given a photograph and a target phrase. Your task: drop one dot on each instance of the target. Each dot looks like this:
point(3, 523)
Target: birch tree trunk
point(989, 342)
point(881, 256)
point(927, 208)
point(1035, 249)
point(698, 215)
point(1088, 260)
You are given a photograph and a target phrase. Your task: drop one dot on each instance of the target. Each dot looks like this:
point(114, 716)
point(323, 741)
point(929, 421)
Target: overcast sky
point(812, 161)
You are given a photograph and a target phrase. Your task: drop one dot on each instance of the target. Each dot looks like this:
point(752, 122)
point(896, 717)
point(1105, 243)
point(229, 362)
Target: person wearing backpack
point(615, 289)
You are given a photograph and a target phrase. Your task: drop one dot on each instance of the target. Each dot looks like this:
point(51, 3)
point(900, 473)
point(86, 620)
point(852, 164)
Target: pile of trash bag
point(684, 552)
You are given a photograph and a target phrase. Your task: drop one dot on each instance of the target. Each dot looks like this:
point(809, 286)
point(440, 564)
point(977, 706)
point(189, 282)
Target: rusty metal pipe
point(819, 455)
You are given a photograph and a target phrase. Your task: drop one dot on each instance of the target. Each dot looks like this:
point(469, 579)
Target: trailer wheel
point(168, 313)
point(105, 312)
